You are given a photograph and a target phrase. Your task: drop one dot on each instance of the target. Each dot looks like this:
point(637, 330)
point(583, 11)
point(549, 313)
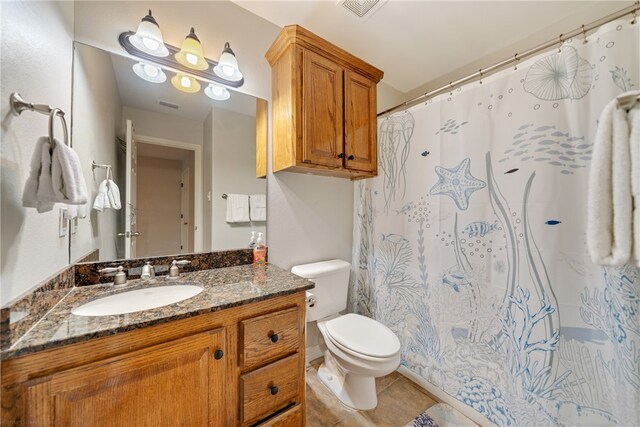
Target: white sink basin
point(137, 300)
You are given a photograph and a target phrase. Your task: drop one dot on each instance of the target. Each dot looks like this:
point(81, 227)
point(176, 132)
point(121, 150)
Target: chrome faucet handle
point(174, 271)
point(148, 272)
point(120, 278)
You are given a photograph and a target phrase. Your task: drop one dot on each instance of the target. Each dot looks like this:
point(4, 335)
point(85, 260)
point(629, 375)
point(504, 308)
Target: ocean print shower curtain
point(470, 244)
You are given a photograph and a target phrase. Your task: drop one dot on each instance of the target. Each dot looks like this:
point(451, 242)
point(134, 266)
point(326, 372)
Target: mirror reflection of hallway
point(165, 200)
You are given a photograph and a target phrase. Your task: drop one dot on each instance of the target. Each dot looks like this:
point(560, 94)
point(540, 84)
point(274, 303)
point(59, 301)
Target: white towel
point(40, 171)
point(633, 118)
point(108, 196)
point(609, 209)
point(66, 175)
point(237, 208)
point(258, 207)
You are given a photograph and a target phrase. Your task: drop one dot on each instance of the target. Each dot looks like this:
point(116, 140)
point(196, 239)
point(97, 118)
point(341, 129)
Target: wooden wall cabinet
point(324, 107)
point(238, 367)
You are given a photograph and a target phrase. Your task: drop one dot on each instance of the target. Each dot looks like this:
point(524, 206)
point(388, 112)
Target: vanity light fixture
point(185, 83)
point(227, 67)
point(148, 37)
point(217, 93)
point(191, 54)
point(150, 73)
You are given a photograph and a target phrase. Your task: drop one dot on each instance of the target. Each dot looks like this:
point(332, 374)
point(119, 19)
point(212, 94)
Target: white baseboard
point(312, 353)
point(444, 397)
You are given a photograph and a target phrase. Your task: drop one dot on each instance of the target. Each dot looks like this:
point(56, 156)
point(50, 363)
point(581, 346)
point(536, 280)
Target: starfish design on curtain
point(457, 183)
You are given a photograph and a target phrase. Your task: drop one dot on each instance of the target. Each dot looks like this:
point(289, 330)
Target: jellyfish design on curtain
point(470, 244)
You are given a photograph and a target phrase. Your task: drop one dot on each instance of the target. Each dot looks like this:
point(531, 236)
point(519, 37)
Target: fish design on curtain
point(475, 253)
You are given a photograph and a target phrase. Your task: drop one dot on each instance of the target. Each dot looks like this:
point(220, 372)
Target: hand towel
point(237, 208)
point(633, 118)
point(113, 194)
point(102, 200)
point(66, 173)
point(258, 207)
point(609, 207)
point(38, 168)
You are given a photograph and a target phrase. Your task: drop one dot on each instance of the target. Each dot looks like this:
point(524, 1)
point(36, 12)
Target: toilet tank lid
point(319, 269)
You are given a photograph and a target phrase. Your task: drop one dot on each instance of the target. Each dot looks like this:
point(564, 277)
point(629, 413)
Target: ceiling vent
point(362, 9)
point(168, 104)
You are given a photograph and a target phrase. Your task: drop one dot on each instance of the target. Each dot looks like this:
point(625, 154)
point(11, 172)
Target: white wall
point(234, 171)
point(158, 125)
point(36, 58)
point(97, 122)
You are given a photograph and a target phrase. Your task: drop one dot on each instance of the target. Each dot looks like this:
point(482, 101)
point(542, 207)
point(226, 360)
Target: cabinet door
point(179, 383)
point(360, 123)
point(322, 111)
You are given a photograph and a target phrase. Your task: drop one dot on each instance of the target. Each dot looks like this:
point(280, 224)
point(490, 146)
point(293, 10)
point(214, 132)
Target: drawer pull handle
point(274, 338)
point(351, 157)
point(274, 390)
point(218, 354)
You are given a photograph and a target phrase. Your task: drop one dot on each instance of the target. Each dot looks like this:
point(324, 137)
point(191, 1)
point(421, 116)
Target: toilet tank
point(332, 284)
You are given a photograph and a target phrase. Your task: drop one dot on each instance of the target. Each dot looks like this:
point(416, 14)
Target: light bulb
point(150, 70)
point(191, 58)
point(150, 44)
point(228, 70)
point(185, 81)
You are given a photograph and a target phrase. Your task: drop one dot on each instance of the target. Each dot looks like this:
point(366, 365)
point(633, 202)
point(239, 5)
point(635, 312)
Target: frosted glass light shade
point(148, 37)
point(227, 67)
point(185, 83)
point(216, 92)
point(149, 72)
point(191, 54)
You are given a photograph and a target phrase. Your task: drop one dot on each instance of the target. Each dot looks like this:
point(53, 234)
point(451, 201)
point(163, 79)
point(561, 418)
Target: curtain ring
point(451, 88)
point(635, 13)
point(560, 44)
point(584, 35)
point(516, 59)
point(480, 71)
point(59, 113)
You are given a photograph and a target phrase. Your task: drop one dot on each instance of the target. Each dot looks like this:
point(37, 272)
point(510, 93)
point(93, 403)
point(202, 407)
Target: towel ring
point(59, 113)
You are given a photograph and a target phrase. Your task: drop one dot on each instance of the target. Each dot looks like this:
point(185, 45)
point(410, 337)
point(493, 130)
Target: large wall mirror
point(166, 161)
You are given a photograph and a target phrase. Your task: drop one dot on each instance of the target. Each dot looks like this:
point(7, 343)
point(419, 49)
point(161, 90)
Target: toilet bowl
point(356, 349)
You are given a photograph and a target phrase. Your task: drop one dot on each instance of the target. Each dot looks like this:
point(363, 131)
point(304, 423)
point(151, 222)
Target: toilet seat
point(362, 337)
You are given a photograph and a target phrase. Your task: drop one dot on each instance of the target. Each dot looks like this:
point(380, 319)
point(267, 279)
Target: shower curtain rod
point(583, 30)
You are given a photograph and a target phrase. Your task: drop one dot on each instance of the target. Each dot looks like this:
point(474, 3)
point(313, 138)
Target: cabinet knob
point(274, 390)
point(351, 157)
point(341, 156)
point(274, 338)
point(218, 354)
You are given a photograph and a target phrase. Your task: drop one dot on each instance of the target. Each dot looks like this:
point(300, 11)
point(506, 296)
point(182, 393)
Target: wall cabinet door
point(177, 383)
point(322, 111)
point(360, 123)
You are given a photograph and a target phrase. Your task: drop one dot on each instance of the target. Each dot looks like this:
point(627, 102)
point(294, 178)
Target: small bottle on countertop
point(252, 242)
point(260, 252)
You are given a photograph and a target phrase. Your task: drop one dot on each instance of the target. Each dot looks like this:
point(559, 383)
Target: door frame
point(198, 233)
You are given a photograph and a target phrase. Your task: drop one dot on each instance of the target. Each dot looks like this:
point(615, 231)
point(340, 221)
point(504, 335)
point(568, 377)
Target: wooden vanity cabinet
point(236, 367)
point(324, 107)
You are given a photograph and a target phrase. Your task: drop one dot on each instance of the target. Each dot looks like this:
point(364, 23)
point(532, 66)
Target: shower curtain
point(470, 243)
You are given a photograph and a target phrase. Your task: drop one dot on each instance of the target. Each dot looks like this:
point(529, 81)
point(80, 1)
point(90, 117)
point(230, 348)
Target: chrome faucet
point(148, 272)
point(120, 278)
point(174, 271)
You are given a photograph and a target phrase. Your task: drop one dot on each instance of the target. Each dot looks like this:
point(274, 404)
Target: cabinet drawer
point(292, 417)
point(266, 338)
point(268, 389)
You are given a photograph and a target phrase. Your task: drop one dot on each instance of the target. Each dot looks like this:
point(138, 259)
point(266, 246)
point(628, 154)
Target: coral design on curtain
point(470, 244)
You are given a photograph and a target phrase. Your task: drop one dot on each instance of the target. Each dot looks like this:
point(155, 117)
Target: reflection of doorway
point(186, 199)
point(168, 197)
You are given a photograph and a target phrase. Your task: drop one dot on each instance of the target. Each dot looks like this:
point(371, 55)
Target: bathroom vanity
point(232, 355)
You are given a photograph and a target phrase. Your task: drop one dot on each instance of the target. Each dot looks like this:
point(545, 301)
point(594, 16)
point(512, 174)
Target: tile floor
point(399, 401)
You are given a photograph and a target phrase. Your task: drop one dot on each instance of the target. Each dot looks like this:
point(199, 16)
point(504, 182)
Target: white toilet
point(356, 349)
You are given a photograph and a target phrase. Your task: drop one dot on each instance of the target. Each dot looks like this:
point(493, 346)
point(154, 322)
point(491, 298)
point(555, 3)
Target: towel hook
point(59, 113)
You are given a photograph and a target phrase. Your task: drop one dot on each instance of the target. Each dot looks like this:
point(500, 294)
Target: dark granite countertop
point(223, 288)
